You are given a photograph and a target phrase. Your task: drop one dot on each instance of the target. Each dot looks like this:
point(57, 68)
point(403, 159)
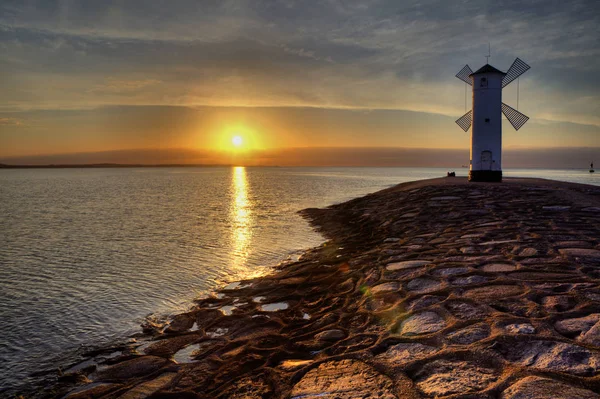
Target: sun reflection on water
point(241, 216)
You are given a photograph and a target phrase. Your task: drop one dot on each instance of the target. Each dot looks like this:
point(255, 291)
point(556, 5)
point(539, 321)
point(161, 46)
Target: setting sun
point(237, 141)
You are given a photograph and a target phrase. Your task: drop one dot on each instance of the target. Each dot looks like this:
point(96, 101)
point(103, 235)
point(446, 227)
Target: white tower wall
point(486, 132)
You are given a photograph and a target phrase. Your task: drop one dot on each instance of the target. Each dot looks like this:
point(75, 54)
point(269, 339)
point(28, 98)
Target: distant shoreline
point(109, 165)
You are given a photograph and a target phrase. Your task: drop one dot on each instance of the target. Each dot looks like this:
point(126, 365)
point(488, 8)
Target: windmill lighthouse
point(486, 117)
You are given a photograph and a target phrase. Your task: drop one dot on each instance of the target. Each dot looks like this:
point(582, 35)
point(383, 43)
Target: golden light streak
point(241, 216)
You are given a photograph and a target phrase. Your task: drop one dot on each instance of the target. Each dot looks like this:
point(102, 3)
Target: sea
point(86, 255)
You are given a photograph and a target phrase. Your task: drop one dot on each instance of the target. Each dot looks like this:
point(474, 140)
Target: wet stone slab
point(498, 267)
point(465, 310)
point(450, 271)
point(422, 323)
point(493, 292)
point(553, 356)
point(385, 287)
point(406, 264)
point(544, 388)
point(460, 281)
point(445, 377)
point(581, 252)
point(146, 389)
point(136, 367)
point(470, 334)
point(424, 301)
point(423, 285)
point(400, 354)
point(345, 379)
point(520, 328)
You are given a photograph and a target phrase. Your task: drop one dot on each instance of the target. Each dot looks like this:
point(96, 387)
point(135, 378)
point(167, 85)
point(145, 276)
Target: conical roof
point(487, 68)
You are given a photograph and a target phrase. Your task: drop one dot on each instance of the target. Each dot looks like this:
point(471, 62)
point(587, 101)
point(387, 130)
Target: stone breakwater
point(438, 288)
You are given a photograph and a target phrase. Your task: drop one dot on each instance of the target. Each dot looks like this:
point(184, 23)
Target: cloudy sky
point(106, 76)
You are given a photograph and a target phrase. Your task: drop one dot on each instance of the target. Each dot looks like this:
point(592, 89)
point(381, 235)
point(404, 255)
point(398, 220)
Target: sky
point(144, 81)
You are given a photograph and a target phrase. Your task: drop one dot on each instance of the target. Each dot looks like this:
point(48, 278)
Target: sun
point(237, 141)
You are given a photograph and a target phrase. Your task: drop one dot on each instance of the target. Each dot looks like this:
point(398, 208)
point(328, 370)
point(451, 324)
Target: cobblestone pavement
point(440, 288)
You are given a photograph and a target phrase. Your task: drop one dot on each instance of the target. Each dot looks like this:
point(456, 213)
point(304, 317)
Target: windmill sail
point(518, 68)
point(515, 118)
point(464, 73)
point(465, 121)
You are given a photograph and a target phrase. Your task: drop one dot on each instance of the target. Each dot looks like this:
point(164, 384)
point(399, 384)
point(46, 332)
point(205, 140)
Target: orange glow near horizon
point(235, 138)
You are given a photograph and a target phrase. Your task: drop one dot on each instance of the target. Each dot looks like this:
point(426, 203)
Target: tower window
point(487, 120)
point(483, 82)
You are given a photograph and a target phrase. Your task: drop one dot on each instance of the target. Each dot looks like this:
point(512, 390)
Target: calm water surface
point(87, 254)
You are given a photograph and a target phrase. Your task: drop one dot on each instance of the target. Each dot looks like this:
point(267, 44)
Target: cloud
point(378, 54)
point(115, 85)
point(10, 122)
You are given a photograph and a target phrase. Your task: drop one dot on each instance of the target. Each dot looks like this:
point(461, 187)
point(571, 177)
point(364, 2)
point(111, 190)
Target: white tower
point(486, 117)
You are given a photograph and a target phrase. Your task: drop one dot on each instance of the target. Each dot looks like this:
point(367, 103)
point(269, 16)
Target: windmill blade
point(465, 121)
point(515, 118)
point(464, 73)
point(518, 68)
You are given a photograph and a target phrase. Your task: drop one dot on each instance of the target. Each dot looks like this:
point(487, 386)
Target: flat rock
point(168, 347)
point(406, 264)
point(578, 325)
point(465, 310)
point(424, 301)
point(473, 235)
point(445, 198)
point(444, 377)
point(493, 292)
point(409, 215)
point(403, 353)
point(451, 271)
point(573, 244)
point(180, 323)
point(437, 241)
point(391, 239)
point(422, 323)
point(520, 328)
point(528, 252)
point(498, 267)
point(93, 390)
point(556, 303)
point(423, 285)
point(385, 287)
point(248, 388)
point(554, 356)
point(294, 364)
point(556, 208)
point(470, 280)
point(468, 335)
point(330, 335)
point(544, 388)
point(469, 250)
point(543, 276)
point(136, 367)
point(345, 379)
point(497, 242)
point(580, 252)
point(147, 388)
point(592, 336)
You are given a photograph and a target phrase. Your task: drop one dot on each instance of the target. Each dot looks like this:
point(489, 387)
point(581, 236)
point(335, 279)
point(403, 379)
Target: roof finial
point(487, 57)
